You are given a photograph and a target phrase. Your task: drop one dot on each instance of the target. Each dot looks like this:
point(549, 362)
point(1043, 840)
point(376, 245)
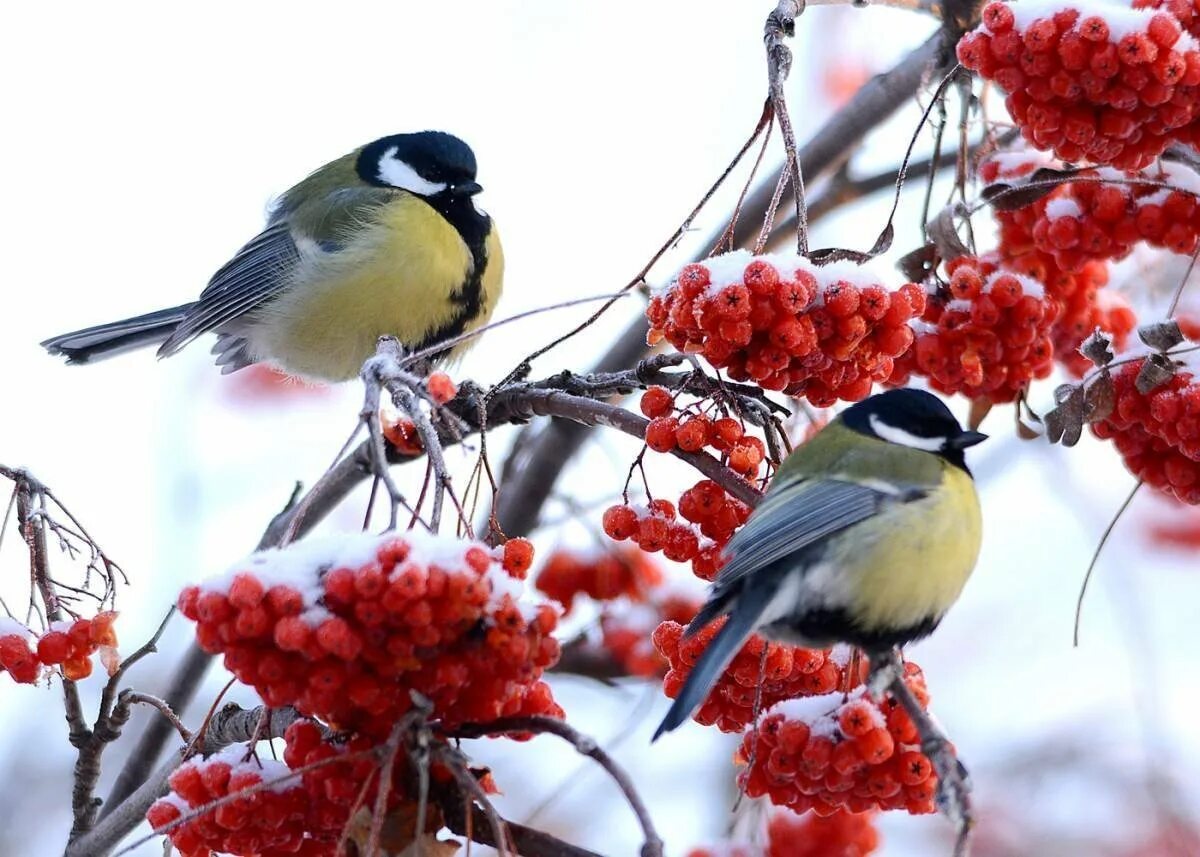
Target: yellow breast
point(917, 560)
point(396, 277)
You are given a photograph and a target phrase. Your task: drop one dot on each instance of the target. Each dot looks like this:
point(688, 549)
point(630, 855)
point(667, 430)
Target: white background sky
point(142, 144)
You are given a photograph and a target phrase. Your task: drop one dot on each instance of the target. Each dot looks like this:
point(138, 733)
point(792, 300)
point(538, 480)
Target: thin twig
point(129, 698)
point(1087, 577)
point(781, 24)
point(652, 845)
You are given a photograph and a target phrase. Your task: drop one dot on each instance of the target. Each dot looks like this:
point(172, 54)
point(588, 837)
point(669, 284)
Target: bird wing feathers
point(795, 517)
point(264, 267)
point(256, 273)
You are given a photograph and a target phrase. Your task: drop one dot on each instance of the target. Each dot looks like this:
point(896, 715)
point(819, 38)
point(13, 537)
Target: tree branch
point(653, 844)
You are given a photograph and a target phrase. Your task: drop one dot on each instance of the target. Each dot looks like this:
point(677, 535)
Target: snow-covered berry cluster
point(344, 628)
point(989, 339)
point(1093, 82)
point(1104, 217)
point(601, 575)
point(826, 333)
point(840, 751)
point(1157, 433)
point(65, 644)
point(300, 806)
point(790, 672)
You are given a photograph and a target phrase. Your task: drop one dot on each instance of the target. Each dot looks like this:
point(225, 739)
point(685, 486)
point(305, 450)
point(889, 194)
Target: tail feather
point(117, 337)
point(747, 610)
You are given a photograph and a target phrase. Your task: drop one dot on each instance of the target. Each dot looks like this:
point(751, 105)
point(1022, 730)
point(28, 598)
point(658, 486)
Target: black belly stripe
point(474, 227)
point(825, 626)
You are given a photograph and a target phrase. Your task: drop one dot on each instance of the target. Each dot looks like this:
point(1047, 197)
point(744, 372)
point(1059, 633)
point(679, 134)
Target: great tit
point(866, 536)
point(385, 240)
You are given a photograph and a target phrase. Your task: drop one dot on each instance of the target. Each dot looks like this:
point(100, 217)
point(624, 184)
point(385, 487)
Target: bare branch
point(653, 845)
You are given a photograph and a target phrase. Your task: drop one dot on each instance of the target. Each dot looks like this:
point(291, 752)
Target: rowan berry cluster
point(843, 834)
point(1086, 221)
point(1157, 433)
point(1083, 303)
point(989, 339)
point(68, 645)
point(1098, 83)
point(600, 575)
point(789, 672)
point(840, 751)
point(344, 629)
point(692, 431)
point(301, 806)
point(826, 333)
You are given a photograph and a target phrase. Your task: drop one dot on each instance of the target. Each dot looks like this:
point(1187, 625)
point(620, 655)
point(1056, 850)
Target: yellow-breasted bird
point(386, 240)
point(866, 536)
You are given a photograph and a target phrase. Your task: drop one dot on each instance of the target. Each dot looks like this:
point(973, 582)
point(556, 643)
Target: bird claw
point(953, 797)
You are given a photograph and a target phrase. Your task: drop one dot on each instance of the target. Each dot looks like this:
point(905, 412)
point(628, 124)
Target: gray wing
point(253, 276)
point(796, 517)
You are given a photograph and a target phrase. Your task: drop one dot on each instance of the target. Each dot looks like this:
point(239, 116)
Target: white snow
point(1121, 19)
point(10, 627)
point(1062, 206)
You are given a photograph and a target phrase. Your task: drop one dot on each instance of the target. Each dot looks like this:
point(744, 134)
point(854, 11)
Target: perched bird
point(385, 240)
point(866, 536)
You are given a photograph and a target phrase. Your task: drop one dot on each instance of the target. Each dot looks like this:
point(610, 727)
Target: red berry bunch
point(826, 333)
point(692, 432)
point(706, 505)
point(1185, 12)
point(72, 645)
point(66, 644)
point(1104, 84)
point(345, 628)
point(790, 672)
point(1157, 433)
point(1087, 220)
point(627, 633)
point(271, 821)
point(840, 752)
point(844, 834)
point(600, 575)
point(990, 339)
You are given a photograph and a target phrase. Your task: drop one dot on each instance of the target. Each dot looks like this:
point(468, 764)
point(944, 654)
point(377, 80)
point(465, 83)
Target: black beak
point(967, 438)
point(466, 189)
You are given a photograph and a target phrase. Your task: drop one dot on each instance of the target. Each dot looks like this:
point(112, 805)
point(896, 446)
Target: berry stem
point(781, 23)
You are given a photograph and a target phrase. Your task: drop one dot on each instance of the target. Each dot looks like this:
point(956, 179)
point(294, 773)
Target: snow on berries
point(826, 333)
point(1103, 218)
point(790, 672)
point(299, 806)
point(840, 751)
point(1157, 433)
point(989, 339)
point(344, 628)
point(1095, 82)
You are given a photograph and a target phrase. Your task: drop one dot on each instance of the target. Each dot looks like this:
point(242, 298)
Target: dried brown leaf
point(1156, 371)
point(944, 235)
point(1100, 398)
point(917, 264)
point(980, 408)
point(1009, 196)
point(1098, 348)
point(1161, 336)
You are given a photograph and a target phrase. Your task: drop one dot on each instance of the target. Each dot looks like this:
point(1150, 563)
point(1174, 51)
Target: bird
point(866, 535)
point(386, 240)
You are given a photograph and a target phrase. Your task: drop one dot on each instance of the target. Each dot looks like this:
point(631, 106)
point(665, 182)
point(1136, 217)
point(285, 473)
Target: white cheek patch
point(898, 435)
point(397, 173)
